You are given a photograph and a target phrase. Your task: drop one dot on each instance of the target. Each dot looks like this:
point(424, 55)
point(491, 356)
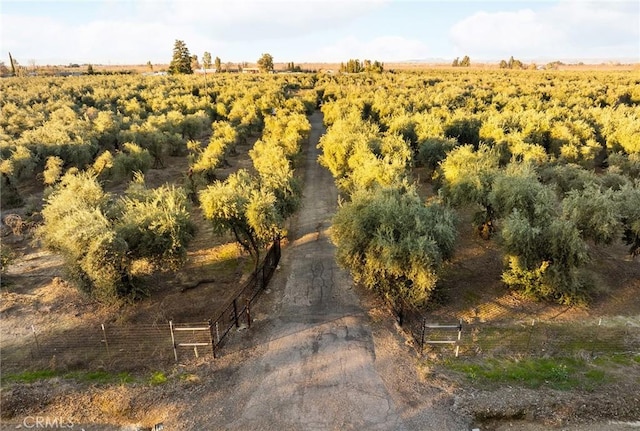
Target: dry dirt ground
point(321, 355)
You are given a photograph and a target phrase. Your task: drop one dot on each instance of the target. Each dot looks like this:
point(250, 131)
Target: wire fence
point(133, 346)
point(441, 336)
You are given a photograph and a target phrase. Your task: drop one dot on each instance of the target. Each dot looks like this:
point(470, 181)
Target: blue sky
point(134, 32)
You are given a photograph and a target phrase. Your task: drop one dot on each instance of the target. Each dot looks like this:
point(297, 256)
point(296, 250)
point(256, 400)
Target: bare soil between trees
point(321, 353)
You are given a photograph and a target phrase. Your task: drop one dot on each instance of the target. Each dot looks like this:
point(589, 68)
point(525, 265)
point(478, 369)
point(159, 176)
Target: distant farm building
point(250, 70)
point(206, 71)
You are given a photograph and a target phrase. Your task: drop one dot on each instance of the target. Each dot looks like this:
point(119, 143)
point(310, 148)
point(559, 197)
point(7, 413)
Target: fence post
point(235, 312)
point(173, 341)
point(33, 329)
point(424, 329)
point(459, 338)
point(106, 342)
point(248, 313)
point(533, 322)
point(213, 343)
point(594, 338)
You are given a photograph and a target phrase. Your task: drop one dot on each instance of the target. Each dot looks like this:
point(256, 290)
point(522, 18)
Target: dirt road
point(311, 361)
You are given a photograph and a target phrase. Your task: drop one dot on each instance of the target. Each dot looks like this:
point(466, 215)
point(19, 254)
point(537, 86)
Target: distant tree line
point(355, 66)
point(511, 64)
point(465, 62)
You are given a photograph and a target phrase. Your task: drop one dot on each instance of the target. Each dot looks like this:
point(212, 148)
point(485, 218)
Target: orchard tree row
point(121, 124)
point(112, 240)
point(549, 162)
point(253, 205)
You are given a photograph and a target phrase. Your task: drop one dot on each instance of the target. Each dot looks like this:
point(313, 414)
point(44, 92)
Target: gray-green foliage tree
point(276, 175)
point(132, 159)
point(358, 156)
point(434, 150)
point(214, 155)
point(546, 257)
point(238, 205)
point(467, 177)
point(465, 130)
point(181, 60)
point(154, 223)
point(104, 239)
point(628, 199)
point(545, 250)
point(393, 243)
point(382, 162)
point(596, 213)
point(517, 188)
point(52, 170)
point(10, 196)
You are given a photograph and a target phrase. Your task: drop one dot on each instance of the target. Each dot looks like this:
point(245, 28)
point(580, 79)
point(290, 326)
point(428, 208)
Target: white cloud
point(568, 29)
point(103, 41)
point(503, 33)
point(386, 48)
point(134, 32)
point(254, 20)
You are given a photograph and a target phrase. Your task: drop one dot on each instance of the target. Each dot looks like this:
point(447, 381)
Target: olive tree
point(546, 257)
point(238, 205)
point(221, 144)
point(433, 150)
point(380, 162)
point(10, 196)
point(596, 213)
point(393, 243)
point(104, 239)
point(338, 143)
point(52, 170)
point(466, 177)
point(628, 199)
point(276, 175)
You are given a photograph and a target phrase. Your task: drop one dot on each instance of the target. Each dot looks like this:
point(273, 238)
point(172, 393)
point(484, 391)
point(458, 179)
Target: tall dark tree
point(218, 64)
point(466, 61)
point(181, 61)
point(265, 63)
